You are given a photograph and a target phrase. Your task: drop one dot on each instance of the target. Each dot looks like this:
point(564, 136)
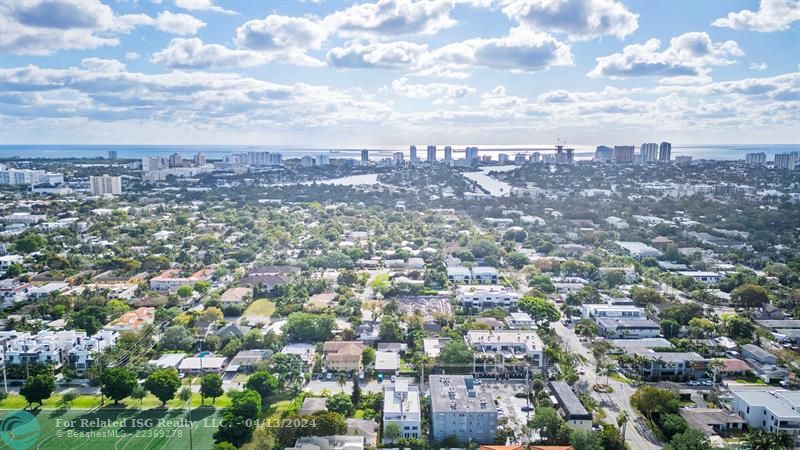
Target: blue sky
point(394, 72)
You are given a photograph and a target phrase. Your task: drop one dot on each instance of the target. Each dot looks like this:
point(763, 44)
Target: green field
point(117, 428)
point(261, 307)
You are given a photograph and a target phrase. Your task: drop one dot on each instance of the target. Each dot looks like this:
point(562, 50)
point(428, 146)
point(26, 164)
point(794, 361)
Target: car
point(477, 381)
point(693, 383)
point(314, 376)
point(581, 370)
point(329, 376)
point(394, 378)
point(349, 375)
point(527, 408)
point(707, 383)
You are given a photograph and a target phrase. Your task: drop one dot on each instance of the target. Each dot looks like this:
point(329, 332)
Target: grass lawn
point(617, 377)
point(750, 380)
point(16, 401)
point(118, 428)
point(260, 307)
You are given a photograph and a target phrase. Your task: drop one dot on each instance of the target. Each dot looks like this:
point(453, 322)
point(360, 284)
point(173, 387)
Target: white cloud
point(772, 15)
point(443, 93)
point(193, 53)
point(203, 5)
point(580, 19)
point(132, 56)
point(281, 32)
point(687, 58)
point(178, 23)
point(393, 18)
point(758, 67)
point(102, 65)
point(39, 27)
point(390, 55)
point(522, 50)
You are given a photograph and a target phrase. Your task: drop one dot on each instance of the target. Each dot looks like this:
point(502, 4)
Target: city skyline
point(371, 74)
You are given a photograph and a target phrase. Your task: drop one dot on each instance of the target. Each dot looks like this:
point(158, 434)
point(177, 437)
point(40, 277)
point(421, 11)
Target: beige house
point(343, 356)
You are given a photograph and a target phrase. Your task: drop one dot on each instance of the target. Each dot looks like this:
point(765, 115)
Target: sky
point(397, 72)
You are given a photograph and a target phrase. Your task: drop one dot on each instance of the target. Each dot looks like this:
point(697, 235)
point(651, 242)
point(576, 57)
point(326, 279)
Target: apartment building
point(510, 344)
point(486, 297)
point(460, 408)
point(82, 355)
point(401, 406)
point(170, 280)
point(343, 356)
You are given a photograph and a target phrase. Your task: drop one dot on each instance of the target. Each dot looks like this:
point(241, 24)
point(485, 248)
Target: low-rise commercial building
point(570, 406)
point(487, 297)
point(508, 344)
point(769, 410)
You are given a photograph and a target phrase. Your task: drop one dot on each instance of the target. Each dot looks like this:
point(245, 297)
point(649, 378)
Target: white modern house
point(769, 410)
point(639, 250)
point(508, 344)
point(702, 276)
point(519, 321)
point(401, 406)
point(603, 310)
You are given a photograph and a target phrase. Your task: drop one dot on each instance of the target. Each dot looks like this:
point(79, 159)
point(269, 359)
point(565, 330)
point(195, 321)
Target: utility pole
point(189, 404)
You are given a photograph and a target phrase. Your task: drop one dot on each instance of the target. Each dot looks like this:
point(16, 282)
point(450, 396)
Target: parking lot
point(508, 405)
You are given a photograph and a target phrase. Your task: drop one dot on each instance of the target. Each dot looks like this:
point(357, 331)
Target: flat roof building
point(461, 409)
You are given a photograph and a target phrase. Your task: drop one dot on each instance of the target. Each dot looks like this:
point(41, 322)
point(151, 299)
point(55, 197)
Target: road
point(636, 434)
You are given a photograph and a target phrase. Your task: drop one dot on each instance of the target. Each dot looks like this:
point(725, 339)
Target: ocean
point(717, 152)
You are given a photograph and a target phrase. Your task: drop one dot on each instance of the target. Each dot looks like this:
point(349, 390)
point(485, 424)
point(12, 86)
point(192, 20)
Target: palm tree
point(764, 440)
point(622, 422)
point(715, 366)
point(342, 380)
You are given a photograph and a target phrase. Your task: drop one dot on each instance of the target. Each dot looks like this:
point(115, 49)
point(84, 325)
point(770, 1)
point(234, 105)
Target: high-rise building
point(603, 153)
point(275, 159)
point(535, 157)
point(175, 160)
point(685, 159)
point(323, 160)
point(787, 161)
point(448, 154)
point(112, 154)
point(519, 159)
point(502, 158)
point(623, 154)
point(364, 156)
point(755, 159)
point(413, 155)
point(472, 153)
point(431, 156)
point(106, 185)
point(153, 163)
point(199, 159)
point(307, 161)
point(397, 158)
point(665, 152)
point(649, 151)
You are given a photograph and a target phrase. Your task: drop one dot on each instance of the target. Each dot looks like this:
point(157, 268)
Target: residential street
point(613, 403)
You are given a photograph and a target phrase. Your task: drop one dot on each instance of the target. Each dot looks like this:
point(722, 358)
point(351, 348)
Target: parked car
point(693, 383)
point(706, 383)
point(581, 370)
point(329, 376)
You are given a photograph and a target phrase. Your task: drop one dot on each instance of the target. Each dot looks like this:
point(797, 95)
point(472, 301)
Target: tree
point(644, 296)
point(367, 356)
point(738, 327)
point(585, 440)
point(341, 380)
point(202, 286)
point(391, 432)
point(262, 382)
point(185, 394)
point(177, 337)
point(211, 387)
point(38, 388)
point(14, 270)
point(117, 383)
point(669, 328)
point(456, 356)
point(390, 329)
point(30, 242)
point(539, 309)
point(139, 393)
point(286, 368)
point(517, 260)
point(224, 446)
point(622, 422)
point(184, 292)
point(340, 403)
point(163, 383)
point(764, 440)
point(652, 401)
point(550, 424)
point(750, 295)
point(356, 394)
point(690, 439)
point(672, 424)
point(304, 327)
